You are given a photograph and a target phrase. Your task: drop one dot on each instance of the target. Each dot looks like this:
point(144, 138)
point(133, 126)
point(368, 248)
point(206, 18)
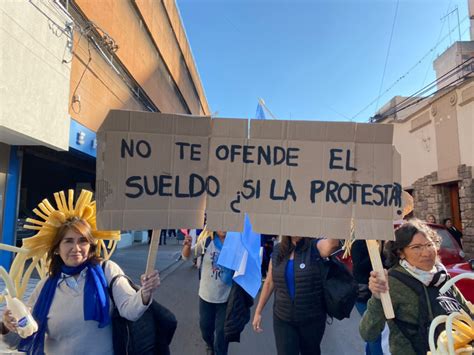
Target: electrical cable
point(388, 54)
point(439, 36)
point(406, 73)
point(416, 96)
point(454, 83)
point(438, 81)
point(86, 67)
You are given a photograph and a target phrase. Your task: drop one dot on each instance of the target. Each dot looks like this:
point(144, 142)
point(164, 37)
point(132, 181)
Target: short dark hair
point(403, 237)
point(447, 219)
point(286, 247)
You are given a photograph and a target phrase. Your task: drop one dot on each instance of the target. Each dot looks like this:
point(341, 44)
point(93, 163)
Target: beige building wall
point(465, 115)
point(438, 136)
point(35, 74)
point(444, 112)
point(153, 51)
point(415, 140)
point(95, 87)
point(437, 152)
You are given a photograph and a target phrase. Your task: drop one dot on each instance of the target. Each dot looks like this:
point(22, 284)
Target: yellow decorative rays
point(51, 219)
point(32, 255)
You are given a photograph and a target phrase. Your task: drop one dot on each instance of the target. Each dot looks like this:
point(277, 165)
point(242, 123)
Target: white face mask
point(425, 277)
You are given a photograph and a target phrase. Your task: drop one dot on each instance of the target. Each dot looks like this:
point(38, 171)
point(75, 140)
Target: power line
point(388, 53)
point(407, 72)
point(417, 96)
point(454, 83)
point(439, 36)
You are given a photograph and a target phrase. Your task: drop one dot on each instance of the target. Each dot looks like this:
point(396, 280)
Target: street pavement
point(179, 290)
point(179, 293)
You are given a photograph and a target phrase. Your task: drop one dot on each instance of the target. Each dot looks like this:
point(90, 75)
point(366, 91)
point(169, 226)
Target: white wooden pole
point(153, 251)
point(374, 254)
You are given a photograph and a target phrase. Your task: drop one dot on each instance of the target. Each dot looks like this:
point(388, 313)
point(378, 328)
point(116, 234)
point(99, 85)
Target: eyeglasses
point(419, 248)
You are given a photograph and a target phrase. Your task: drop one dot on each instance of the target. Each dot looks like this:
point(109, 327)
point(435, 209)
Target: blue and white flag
point(241, 252)
point(260, 114)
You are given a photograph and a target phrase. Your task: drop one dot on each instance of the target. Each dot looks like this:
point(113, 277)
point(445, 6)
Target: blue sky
point(316, 60)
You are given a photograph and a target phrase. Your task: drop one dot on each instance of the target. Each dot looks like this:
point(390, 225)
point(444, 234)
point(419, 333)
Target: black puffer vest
point(308, 303)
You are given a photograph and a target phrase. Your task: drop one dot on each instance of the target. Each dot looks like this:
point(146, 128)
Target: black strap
point(417, 334)
point(114, 279)
point(206, 245)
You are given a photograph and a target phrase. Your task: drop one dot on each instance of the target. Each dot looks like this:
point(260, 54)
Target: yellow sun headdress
point(53, 219)
point(37, 246)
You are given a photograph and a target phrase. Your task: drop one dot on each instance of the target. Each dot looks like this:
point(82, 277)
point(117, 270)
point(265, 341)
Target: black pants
point(298, 338)
point(211, 320)
point(163, 236)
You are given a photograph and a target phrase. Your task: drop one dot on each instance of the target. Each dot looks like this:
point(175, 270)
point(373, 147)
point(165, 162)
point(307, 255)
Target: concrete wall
point(150, 51)
point(438, 137)
point(458, 53)
point(416, 143)
point(95, 87)
point(35, 73)
point(465, 116)
point(444, 112)
point(164, 23)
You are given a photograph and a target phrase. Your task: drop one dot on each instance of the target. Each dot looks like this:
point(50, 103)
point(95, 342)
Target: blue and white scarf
point(96, 304)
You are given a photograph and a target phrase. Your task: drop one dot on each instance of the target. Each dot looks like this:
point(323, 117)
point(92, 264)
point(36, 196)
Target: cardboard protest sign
point(301, 178)
point(141, 181)
point(306, 178)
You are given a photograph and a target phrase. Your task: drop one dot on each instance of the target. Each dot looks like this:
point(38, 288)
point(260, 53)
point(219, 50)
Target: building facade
point(66, 63)
point(434, 138)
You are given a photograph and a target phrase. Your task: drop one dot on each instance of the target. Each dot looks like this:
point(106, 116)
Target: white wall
point(417, 150)
point(34, 85)
point(465, 115)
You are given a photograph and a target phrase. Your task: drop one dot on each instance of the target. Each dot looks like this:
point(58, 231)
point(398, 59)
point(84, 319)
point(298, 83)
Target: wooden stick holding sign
point(374, 254)
point(153, 251)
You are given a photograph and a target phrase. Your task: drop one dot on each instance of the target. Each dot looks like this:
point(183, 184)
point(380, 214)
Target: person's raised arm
point(186, 252)
point(267, 290)
point(327, 246)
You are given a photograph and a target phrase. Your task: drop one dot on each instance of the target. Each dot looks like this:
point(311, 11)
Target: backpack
point(417, 334)
point(150, 334)
point(340, 289)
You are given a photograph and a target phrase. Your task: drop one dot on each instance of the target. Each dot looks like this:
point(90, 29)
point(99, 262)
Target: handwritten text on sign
point(289, 180)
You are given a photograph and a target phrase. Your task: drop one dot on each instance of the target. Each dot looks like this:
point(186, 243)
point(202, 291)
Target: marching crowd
point(296, 276)
point(74, 303)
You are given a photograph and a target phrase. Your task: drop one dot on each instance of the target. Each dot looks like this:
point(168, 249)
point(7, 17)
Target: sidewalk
point(133, 259)
point(133, 262)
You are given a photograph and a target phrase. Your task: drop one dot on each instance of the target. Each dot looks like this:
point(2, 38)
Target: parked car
point(466, 286)
point(450, 252)
point(451, 255)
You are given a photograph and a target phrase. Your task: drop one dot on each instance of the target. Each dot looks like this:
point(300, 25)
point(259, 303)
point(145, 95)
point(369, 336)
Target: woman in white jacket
point(72, 306)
